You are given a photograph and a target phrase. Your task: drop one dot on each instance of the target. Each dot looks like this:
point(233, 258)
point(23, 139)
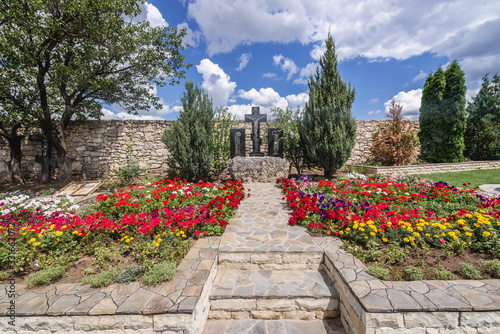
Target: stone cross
point(255, 117)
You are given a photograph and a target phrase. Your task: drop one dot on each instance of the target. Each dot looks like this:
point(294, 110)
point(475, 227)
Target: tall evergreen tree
point(328, 130)
point(482, 137)
point(443, 116)
point(188, 139)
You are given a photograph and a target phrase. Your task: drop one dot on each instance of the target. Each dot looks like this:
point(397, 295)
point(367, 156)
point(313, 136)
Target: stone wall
point(97, 146)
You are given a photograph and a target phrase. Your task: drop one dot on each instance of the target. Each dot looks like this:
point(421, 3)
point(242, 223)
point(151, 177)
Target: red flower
point(165, 202)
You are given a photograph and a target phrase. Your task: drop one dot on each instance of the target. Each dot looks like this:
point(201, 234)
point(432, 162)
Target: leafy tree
point(188, 139)
point(224, 120)
point(328, 130)
point(443, 116)
point(394, 142)
point(482, 137)
point(288, 120)
point(80, 54)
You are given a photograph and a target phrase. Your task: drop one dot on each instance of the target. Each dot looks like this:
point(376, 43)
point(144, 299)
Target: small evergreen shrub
point(223, 121)
point(468, 271)
point(440, 274)
point(102, 279)
point(413, 273)
point(378, 271)
point(492, 268)
point(189, 138)
point(129, 275)
point(45, 277)
point(159, 273)
point(395, 141)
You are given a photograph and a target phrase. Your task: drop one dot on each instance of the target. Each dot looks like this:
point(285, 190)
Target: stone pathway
point(269, 274)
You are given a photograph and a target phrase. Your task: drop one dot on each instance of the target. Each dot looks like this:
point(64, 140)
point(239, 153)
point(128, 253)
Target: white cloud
point(244, 59)
point(375, 29)
point(108, 114)
point(152, 14)
point(269, 75)
point(239, 110)
point(420, 76)
point(374, 112)
point(192, 37)
point(264, 97)
point(372, 101)
point(306, 73)
point(295, 101)
point(216, 82)
point(410, 101)
point(287, 65)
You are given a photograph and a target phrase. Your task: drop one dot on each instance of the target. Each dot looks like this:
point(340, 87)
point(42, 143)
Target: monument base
point(256, 154)
point(258, 169)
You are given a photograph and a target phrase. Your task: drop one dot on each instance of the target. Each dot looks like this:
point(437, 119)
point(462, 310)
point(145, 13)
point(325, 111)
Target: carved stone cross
point(255, 117)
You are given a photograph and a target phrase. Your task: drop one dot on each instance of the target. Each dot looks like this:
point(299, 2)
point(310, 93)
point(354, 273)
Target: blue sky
point(261, 52)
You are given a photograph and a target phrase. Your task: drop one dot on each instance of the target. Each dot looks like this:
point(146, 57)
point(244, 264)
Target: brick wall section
point(97, 145)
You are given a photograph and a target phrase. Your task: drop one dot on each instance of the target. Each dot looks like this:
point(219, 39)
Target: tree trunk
point(56, 138)
point(15, 159)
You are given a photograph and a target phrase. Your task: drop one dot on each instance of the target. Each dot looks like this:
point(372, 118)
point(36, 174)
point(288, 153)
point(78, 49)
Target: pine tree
point(188, 139)
point(328, 130)
point(443, 116)
point(482, 137)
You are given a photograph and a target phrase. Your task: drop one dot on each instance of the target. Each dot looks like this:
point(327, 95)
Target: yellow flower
point(486, 233)
point(177, 234)
point(372, 233)
point(36, 244)
point(32, 240)
point(384, 239)
point(416, 234)
point(406, 240)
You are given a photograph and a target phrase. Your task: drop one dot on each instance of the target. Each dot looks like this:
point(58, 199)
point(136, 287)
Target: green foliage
point(129, 275)
point(45, 276)
point(443, 116)
point(224, 120)
point(413, 273)
point(395, 141)
point(189, 138)
point(468, 271)
point(102, 279)
point(492, 268)
point(439, 274)
point(288, 120)
point(378, 271)
point(328, 130)
point(72, 56)
point(161, 272)
point(482, 137)
point(129, 169)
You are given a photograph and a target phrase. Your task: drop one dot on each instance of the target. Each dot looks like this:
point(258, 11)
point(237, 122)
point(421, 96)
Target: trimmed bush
point(161, 272)
point(378, 271)
point(45, 277)
point(468, 271)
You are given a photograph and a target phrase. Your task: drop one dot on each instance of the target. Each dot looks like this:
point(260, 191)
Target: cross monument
point(256, 118)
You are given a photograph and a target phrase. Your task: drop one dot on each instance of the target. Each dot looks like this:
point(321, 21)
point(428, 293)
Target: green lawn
point(475, 177)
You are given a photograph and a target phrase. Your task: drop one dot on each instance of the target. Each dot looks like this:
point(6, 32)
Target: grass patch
point(45, 276)
point(159, 273)
point(130, 274)
point(474, 177)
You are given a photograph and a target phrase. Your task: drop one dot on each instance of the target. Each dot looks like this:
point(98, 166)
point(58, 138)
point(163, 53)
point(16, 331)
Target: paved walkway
point(492, 189)
point(269, 274)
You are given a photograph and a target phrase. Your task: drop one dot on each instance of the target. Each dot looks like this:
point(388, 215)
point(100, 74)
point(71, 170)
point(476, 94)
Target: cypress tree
point(482, 137)
point(188, 138)
point(442, 116)
point(328, 130)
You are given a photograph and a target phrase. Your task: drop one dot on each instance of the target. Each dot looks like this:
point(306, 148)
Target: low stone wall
point(258, 169)
point(428, 168)
point(371, 306)
point(97, 146)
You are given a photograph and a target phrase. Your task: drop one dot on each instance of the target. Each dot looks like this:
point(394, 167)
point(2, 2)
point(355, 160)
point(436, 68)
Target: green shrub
point(468, 271)
point(492, 268)
point(440, 274)
point(45, 277)
point(128, 170)
point(188, 139)
point(104, 278)
point(378, 271)
point(413, 273)
point(161, 272)
point(130, 274)
point(223, 121)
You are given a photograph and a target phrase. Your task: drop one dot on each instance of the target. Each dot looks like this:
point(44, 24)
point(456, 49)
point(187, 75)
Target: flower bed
point(150, 223)
point(375, 215)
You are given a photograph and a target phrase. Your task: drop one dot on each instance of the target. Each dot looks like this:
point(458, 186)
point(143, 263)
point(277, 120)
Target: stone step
point(312, 260)
point(251, 326)
point(268, 294)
